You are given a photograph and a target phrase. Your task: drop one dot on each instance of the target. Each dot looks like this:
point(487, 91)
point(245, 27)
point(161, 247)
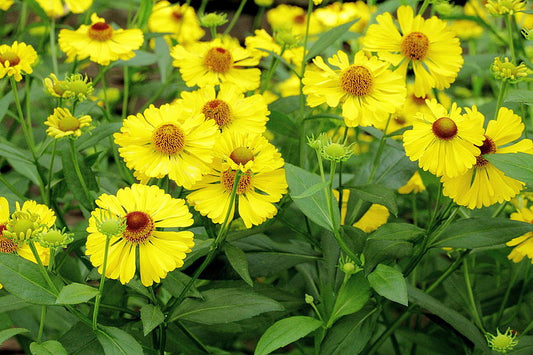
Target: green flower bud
point(508, 71)
point(108, 223)
point(22, 226)
point(78, 86)
point(309, 299)
point(264, 3)
point(336, 152)
point(502, 342)
point(213, 19)
point(55, 238)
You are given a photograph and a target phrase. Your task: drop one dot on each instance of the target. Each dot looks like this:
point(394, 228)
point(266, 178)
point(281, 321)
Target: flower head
point(179, 20)
point(523, 245)
point(6, 4)
point(336, 14)
point(414, 185)
point(508, 71)
point(78, 86)
point(16, 60)
point(53, 238)
point(502, 342)
point(62, 123)
point(55, 87)
point(292, 17)
point(57, 8)
point(505, 7)
point(213, 19)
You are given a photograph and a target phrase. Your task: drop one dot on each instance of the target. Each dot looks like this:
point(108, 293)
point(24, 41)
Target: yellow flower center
point(68, 123)
point(218, 60)
point(415, 45)
point(487, 147)
point(356, 80)
point(9, 59)
point(139, 227)
point(217, 110)
point(242, 155)
point(245, 182)
point(444, 128)
point(168, 139)
point(100, 31)
point(6, 244)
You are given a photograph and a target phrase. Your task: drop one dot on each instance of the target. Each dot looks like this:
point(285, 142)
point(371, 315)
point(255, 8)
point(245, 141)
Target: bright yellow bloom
point(148, 211)
point(179, 20)
point(414, 185)
point(168, 140)
point(5, 4)
point(100, 42)
point(367, 89)
point(289, 87)
point(336, 14)
point(262, 182)
point(262, 40)
point(62, 123)
point(505, 7)
point(57, 8)
point(429, 46)
point(484, 184)
point(16, 60)
point(294, 18)
point(372, 219)
point(523, 245)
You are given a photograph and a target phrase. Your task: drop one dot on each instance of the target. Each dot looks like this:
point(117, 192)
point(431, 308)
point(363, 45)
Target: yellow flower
point(336, 14)
point(148, 210)
point(168, 141)
point(290, 87)
point(215, 62)
point(56, 87)
point(262, 40)
point(179, 20)
point(523, 245)
point(284, 17)
point(5, 4)
point(372, 219)
point(368, 91)
point(508, 71)
point(414, 185)
point(444, 143)
point(484, 184)
point(16, 60)
point(505, 7)
point(62, 123)
point(430, 46)
point(262, 182)
point(57, 8)
point(100, 42)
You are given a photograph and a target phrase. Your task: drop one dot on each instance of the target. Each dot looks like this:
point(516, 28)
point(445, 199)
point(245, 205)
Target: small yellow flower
point(16, 60)
point(508, 71)
point(57, 8)
point(5, 4)
point(179, 20)
point(414, 185)
point(56, 87)
point(505, 7)
point(62, 123)
point(264, 3)
point(523, 245)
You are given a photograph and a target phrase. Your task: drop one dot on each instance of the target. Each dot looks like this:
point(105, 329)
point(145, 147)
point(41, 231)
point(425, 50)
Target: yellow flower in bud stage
point(262, 40)
point(372, 219)
point(502, 342)
point(62, 123)
point(336, 14)
point(100, 42)
point(5, 4)
point(179, 20)
point(57, 8)
point(213, 19)
point(508, 71)
point(56, 87)
point(16, 60)
point(414, 185)
point(523, 245)
point(505, 7)
point(294, 18)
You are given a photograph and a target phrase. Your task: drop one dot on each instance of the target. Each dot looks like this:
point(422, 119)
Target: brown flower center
point(100, 31)
point(487, 147)
point(9, 59)
point(139, 227)
point(399, 119)
point(420, 101)
point(168, 139)
point(217, 110)
point(68, 123)
point(242, 155)
point(6, 244)
point(415, 45)
point(218, 60)
point(356, 80)
point(177, 15)
point(245, 182)
point(300, 19)
point(444, 128)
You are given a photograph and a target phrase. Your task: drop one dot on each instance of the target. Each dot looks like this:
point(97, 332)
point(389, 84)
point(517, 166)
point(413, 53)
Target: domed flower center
point(245, 182)
point(177, 15)
point(300, 19)
point(100, 31)
point(217, 110)
point(399, 119)
point(218, 60)
point(487, 147)
point(168, 139)
point(6, 244)
point(68, 123)
point(444, 128)
point(357, 80)
point(242, 155)
point(139, 227)
point(415, 45)
point(10, 57)
point(421, 101)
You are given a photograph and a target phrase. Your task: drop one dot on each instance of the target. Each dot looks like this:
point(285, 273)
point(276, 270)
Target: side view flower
point(16, 59)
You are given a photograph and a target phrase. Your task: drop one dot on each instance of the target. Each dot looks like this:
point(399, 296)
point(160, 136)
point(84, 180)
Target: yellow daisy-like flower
point(444, 143)
point(180, 20)
point(336, 14)
point(414, 185)
point(5, 4)
point(523, 245)
point(57, 8)
point(216, 62)
point(430, 46)
point(169, 140)
point(148, 210)
point(372, 219)
point(262, 40)
point(261, 184)
point(16, 60)
point(229, 108)
point(100, 42)
point(284, 17)
point(62, 123)
point(367, 89)
point(484, 184)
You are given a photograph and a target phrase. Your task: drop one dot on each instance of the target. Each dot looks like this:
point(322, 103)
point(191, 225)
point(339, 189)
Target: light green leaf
point(518, 166)
point(522, 96)
point(377, 251)
point(50, 347)
point(175, 282)
point(238, 262)
point(327, 38)
point(142, 58)
point(76, 293)
point(351, 298)
point(11, 332)
point(377, 194)
point(11, 303)
point(99, 134)
point(151, 317)
point(115, 341)
point(397, 231)
point(389, 283)
point(312, 190)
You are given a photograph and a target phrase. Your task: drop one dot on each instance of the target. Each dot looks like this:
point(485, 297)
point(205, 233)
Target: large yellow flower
point(179, 20)
point(443, 142)
point(523, 245)
point(430, 46)
point(56, 8)
point(262, 182)
point(368, 91)
point(100, 42)
point(16, 60)
point(484, 184)
point(262, 40)
point(215, 62)
point(288, 17)
point(336, 14)
point(148, 210)
point(168, 141)
point(62, 123)
point(372, 219)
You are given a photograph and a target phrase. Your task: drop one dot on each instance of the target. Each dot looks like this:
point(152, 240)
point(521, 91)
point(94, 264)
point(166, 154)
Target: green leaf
point(397, 231)
point(352, 297)
point(38, 10)
point(378, 194)
point(141, 59)
point(81, 340)
point(279, 122)
point(99, 134)
point(327, 38)
point(176, 281)
point(76, 293)
point(18, 159)
point(453, 318)
point(225, 305)
point(144, 12)
point(11, 303)
point(389, 283)
point(285, 105)
point(238, 262)
point(518, 166)
point(50, 347)
point(151, 317)
point(163, 57)
point(285, 332)
point(115, 341)
point(522, 96)
point(11, 332)
point(377, 251)
point(312, 190)
point(473, 233)
point(72, 179)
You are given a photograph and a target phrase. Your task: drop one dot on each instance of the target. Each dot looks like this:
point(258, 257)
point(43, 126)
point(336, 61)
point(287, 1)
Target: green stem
point(106, 102)
point(192, 337)
point(53, 50)
point(423, 8)
point(41, 266)
point(50, 170)
point(501, 95)
point(23, 17)
point(379, 152)
point(470, 293)
point(101, 286)
point(22, 121)
point(258, 18)
point(508, 20)
point(41, 324)
point(506, 295)
point(235, 17)
point(125, 93)
point(75, 162)
point(11, 187)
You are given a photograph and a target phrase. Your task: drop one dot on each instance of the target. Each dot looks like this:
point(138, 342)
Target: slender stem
point(258, 18)
point(75, 162)
point(192, 336)
point(22, 121)
point(508, 20)
point(501, 95)
point(23, 17)
point(506, 295)
point(106, 102)
point(101, 286)
point(235, 17)
point(423, 8)
point(11, 187)
point(125, 92)
point(470, 293)
point(41, 324)
point(41, 266)
point(413, 206)
point(379, 152)
point(53, 50)
point(50, 171)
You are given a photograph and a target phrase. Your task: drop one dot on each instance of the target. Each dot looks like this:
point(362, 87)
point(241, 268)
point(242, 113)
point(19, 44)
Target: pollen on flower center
point(217, 110)
point(245, 182)
point(357, 80)
point(168, 139)
point(415, 45)
point(218, 60)
point(100, 31)
point(242, 155)
point(10, 57)
point(487, 147)
point(139, 227)
point(6, 244)
point(68, 123)
point(444, 128)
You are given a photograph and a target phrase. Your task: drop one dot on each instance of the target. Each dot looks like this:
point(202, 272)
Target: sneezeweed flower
point(262, 182)
point(502, 342)
point(264, 3)
point(6, 4)
point(484, 184)
point(505, 7)
point(100, 42)
point(213, 19)
point(429, 46)
point(179, 20)
point(505, 70)
point(16, 59)
point(55, 87)
point(78, 86)
point(168, 140)
point(62, 123)
point(367, 90)
point(372, 219)
point(336, 14)
point(284, 17)
point(228, 107)
point(444, 143)
point(413, 185)
point(54, 238)
point(283, 43)
point(216, 62)
point(523, 245)
point(147, 210)
point(57, 8)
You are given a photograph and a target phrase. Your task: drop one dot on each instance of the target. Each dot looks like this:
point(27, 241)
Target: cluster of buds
point(286, 39)
point(328, 150)
point(505, 7)
point(75, 86)
point(505, 70)
point(213, 20)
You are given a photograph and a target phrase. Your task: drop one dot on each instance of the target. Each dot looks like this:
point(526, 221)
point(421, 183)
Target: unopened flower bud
point(309, 299)
point(55, 238)
point(508, 71)
point(505, 7)
point(502, 342)
point(213, 19)
point(264, 3)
